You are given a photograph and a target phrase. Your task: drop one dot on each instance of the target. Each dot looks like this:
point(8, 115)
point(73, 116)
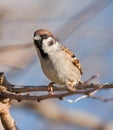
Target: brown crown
point(43, 31)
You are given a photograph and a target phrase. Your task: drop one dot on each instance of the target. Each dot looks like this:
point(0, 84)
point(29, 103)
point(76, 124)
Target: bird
point(58, 63)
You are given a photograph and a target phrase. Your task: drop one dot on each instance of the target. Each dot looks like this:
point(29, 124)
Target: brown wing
point(75, 60)
point(77, 64)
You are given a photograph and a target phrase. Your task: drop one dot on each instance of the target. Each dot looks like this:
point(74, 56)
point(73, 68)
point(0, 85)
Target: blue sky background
point(92, 42)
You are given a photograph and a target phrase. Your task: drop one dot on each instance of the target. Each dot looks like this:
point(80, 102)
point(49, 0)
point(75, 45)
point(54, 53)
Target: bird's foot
point(50, 88)
point(71, 87)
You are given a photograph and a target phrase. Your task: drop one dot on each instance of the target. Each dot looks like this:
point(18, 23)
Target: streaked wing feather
point(75, 60)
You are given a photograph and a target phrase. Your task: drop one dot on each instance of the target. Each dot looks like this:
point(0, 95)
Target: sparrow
point(58, 63)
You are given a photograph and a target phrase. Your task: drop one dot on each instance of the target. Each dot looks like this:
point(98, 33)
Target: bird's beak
point(37, 41)
point(37, 38)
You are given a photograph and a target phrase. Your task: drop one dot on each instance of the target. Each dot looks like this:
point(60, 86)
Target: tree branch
point(6, 119)
point(9, 92)
point(42, 97)
point(23, 89)
point(85, 89)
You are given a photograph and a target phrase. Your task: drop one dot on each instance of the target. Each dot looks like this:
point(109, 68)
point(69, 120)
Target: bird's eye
point(44, 36)
point(51, 43)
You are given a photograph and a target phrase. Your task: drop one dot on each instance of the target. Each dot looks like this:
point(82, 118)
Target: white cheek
point(45, 41)
point(45, 46)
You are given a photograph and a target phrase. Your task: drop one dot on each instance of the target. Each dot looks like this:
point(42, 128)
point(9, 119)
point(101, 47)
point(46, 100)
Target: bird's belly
point(52, 74)
point(61, 74)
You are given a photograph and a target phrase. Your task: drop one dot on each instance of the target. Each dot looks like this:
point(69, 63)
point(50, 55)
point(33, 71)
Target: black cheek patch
point(39, 46)
point(36, 43)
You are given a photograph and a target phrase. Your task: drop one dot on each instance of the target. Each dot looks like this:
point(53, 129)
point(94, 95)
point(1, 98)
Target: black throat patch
point(39, 46)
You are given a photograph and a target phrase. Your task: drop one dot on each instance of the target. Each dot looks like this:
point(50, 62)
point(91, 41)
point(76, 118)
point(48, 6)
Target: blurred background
point(86, 27)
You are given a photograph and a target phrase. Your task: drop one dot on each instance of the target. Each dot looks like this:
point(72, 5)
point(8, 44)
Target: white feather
point(37, 37)
point(48, 49)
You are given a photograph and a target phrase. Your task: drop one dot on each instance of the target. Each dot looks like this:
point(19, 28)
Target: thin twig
point(85, 96)
point(91, 78)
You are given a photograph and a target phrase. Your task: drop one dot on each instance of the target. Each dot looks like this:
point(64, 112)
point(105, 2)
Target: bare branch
point(43, 97)
point(91, 78)
point(23, 89)
point(12, 92)
point(8, 92)
point(6, 119)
